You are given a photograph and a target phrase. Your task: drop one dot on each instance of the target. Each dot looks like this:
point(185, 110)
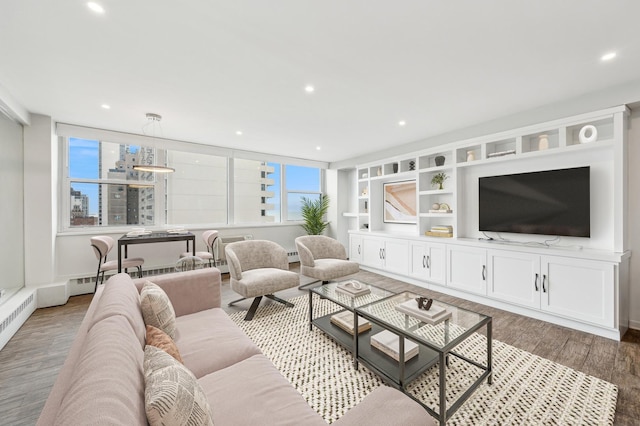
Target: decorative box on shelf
point(389, 343)
point(435, 314)
point(344, 320)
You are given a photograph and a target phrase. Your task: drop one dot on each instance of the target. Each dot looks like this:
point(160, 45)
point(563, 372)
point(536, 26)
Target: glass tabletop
point(444, 325)
point(332, 292)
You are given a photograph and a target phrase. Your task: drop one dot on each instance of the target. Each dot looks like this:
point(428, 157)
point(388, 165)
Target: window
point(197, 191)
point(103, 187)
point(301, 182)
point(256, 189)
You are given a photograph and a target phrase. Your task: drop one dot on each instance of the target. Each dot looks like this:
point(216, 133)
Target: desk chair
point(210, 239)
point(102, 245)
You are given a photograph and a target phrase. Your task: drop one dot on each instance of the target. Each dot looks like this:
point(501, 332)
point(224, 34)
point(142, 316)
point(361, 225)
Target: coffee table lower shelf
point(382, 364)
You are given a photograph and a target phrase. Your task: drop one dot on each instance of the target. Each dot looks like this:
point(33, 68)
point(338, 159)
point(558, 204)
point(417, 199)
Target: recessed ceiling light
point(95, 7)
point(105, 106)
point(239, 132)
point(309, 88)
point(318, 148)
point(609, 56)
point(401, 123)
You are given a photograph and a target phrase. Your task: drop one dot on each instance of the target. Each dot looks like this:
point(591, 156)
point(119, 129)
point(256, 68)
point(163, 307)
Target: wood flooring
point(30, 362)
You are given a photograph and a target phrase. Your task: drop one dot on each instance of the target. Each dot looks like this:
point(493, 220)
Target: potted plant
point(313, 213)
point(438, 179)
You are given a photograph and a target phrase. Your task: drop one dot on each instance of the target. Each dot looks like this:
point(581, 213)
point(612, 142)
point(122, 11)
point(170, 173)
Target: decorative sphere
point(435, 206)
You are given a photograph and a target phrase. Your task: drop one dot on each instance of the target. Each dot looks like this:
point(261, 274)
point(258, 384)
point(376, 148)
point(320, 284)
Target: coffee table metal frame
point(442, 351)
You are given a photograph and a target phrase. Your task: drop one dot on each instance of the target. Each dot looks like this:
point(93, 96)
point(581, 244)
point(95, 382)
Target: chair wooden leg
point(252, 310)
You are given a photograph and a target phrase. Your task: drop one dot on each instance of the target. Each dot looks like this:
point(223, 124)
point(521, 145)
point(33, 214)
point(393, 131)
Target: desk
point(154, 237)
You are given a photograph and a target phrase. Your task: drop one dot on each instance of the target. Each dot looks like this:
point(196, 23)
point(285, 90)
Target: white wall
point(11, 207)
point(633, 231)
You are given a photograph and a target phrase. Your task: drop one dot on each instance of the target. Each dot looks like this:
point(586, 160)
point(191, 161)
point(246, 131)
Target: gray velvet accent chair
point(259, 268)
point(323, 258)
point(102, 245)
point(210, 239)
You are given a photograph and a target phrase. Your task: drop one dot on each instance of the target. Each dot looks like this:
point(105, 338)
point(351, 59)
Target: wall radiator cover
point(12, 321)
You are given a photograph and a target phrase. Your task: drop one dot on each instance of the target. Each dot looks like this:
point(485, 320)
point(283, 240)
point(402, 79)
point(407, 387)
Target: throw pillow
point(161, 340)
point(157, 309)
point(172, 395)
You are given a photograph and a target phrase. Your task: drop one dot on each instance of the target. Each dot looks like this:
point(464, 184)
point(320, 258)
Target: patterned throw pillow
point(172, 395)
point(157, 309)
point(161, 340)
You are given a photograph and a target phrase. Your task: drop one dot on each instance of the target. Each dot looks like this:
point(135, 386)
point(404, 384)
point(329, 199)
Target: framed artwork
point(400, 202)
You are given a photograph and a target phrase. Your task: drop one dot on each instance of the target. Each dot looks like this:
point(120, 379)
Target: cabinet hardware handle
point(544, 279)
point(484, 270)
point(358, 248)
point(536, 282)
point(380, 253)
point(428, 262)
point(384, 254)
point(424, 261)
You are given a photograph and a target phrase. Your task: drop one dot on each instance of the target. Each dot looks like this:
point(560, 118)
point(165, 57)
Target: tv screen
point(552, 202)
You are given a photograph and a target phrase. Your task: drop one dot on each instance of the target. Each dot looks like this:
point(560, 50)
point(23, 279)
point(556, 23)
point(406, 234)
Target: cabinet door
point(579, 289)
point(355, 248)
point(418, 266)
point(467, 269)
point(436, 262)
point(514, 277)
point(372, 252)
point(396, 256)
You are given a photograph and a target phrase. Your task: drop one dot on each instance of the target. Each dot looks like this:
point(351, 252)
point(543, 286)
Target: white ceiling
point(211, 68)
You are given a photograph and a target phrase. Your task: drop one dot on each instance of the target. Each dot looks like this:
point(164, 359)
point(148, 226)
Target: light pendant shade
point(153, 169)
point(153, 121)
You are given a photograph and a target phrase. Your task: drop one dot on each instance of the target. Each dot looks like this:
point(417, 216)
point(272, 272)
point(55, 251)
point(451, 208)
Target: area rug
point(526, 389)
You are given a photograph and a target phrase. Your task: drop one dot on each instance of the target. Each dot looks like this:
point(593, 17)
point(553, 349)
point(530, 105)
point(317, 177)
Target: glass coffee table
point(436, 338)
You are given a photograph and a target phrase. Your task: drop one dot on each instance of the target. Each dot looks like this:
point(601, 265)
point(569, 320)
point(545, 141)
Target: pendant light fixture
point(153, 121)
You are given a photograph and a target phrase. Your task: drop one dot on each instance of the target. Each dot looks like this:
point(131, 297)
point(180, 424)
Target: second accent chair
point(323, 258)
point(259, 268)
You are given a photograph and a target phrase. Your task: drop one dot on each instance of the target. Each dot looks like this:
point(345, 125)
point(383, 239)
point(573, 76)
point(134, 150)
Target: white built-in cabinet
point(389, 254)
point(581, 282)
point(428, 261)
point(467, 269)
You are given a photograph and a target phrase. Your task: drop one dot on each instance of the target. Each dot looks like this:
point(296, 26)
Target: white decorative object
point(588, 134)
point(365, 175)
point(379, 171)
point(471, 156)
point(435, 206)
point(543, 142)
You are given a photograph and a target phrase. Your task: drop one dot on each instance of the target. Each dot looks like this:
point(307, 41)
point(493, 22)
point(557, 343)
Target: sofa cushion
point(120, 297)
point(107, 385)
point(161, 340)
point(253, 392)
point(172, 394)
point(157, 309)
point(209, 341)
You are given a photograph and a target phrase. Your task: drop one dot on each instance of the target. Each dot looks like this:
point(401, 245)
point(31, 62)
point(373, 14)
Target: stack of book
point(389, 343)
point(344, 320)
point(433, 316)
point(353, 288)
point(445, 231)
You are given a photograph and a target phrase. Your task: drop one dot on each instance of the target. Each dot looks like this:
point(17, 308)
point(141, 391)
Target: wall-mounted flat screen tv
point(551, 202)
point(400, 202)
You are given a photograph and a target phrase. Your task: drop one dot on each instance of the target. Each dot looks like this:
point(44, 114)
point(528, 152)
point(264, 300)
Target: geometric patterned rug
point(526, 389)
